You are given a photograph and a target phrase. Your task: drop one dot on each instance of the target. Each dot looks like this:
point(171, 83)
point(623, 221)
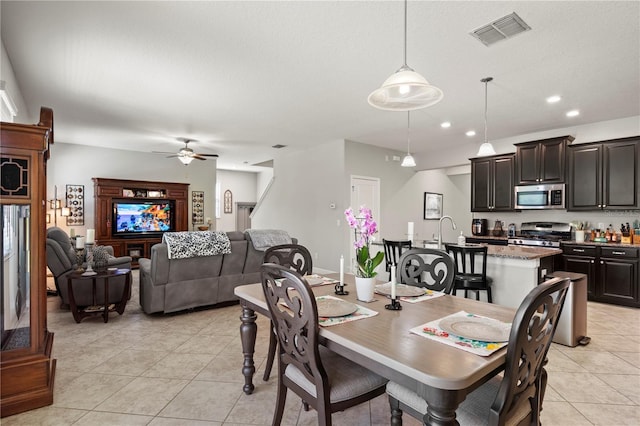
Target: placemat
point(430, 294)
point(314, 280)
point(361, 313)
point(432, 330)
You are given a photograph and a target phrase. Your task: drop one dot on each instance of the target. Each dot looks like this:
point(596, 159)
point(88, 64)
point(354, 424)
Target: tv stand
point(107, 190)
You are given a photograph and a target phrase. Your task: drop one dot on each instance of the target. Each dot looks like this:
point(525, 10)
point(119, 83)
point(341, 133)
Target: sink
point(430, 244)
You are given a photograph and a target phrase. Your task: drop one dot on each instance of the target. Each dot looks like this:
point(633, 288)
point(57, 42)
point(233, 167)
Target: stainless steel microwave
point(539, 196)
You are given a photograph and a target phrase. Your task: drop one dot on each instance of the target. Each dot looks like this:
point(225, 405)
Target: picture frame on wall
point(75, 203)
point(432, 206)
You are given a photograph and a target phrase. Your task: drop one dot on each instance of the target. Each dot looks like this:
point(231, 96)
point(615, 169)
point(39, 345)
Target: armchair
point(62, 260)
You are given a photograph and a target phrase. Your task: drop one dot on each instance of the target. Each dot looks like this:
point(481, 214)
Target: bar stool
point(466, 276)
point(393, 251)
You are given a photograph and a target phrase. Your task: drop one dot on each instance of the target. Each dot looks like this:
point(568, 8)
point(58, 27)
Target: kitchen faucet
point(453, 225)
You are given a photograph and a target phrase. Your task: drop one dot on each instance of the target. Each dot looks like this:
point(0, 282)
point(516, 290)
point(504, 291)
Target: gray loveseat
point(170, 285)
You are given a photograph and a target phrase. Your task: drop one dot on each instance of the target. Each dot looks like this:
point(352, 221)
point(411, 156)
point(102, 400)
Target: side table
point(79, 314)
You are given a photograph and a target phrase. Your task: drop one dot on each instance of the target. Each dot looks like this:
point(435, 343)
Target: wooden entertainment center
point(107, 190)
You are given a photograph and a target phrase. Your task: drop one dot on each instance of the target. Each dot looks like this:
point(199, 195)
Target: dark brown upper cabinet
point(541, 161)
point(492, 182)
point(604, 175)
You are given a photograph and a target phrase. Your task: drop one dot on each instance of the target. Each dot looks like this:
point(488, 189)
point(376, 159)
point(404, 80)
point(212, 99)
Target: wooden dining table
point(443, 375)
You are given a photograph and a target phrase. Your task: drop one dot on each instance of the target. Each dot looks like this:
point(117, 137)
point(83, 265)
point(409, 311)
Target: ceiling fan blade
point(198, 157)
point(172, 156)
point(208, 155)
point(162, 152)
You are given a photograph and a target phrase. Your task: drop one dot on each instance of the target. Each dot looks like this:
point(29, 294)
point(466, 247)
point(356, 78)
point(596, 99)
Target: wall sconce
point(55, 205)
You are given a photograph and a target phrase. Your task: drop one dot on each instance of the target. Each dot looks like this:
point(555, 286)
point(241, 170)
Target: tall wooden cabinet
point(26, 368)
point(492, 182)
point(106, 191)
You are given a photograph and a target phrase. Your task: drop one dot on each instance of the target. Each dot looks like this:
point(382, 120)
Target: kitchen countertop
point(487, 237)
point(520, 252)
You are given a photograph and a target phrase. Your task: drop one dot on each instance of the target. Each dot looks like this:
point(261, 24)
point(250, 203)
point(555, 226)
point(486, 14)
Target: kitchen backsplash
point(613, 217)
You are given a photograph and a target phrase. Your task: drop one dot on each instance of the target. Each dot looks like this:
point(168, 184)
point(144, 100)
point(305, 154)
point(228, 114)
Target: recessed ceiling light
point(471, 133)
point(573, 113)
point(445, 125)
point(553, 99)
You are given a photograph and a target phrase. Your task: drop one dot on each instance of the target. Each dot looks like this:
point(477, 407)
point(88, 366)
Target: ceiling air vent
point(501, 29)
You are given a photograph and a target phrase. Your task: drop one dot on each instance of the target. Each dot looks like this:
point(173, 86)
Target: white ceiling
point(242, 76)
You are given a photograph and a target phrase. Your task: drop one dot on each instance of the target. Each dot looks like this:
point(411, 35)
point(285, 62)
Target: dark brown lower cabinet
point(613, 273)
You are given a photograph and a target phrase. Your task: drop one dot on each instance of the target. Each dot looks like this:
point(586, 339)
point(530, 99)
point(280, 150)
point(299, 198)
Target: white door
point(365, 191)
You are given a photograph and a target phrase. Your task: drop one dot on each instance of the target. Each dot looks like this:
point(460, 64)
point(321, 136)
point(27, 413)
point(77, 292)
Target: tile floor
point(184, 369)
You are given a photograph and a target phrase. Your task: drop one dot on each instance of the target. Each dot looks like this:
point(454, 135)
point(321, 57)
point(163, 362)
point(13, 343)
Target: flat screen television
point(151, 217)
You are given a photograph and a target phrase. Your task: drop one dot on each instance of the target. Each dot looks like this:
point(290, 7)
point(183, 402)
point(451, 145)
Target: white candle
point(72, 232)
point(410, 230)
point(80, 242)
point(341, 270)
point(91, 236)
point(393, 281)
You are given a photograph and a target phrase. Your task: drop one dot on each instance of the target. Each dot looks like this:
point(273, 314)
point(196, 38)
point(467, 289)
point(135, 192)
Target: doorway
point(365, 191)
point(243, 216)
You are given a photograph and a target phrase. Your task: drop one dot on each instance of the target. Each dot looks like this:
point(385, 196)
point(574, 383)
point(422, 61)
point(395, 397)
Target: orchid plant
point(364, 227)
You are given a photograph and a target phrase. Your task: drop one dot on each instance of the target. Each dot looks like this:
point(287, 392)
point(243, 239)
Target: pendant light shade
point(486, 148)
point(405, 90)
point(408, 160)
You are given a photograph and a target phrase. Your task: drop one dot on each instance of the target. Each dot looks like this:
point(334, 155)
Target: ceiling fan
point(186, 154)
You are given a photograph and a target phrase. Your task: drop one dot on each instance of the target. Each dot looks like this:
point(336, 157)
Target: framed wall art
point(75, 202)
point(197, 207)
point(432, 206)
point(228, 201)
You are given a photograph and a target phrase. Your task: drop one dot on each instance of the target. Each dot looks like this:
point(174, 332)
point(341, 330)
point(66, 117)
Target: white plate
point(329, 308)
point(476, 328)
point(402, 290)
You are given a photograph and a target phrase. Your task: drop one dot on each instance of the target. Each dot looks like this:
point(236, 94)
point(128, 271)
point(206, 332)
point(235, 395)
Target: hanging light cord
point(405, 33)
point(408, 133)
point(486, 82)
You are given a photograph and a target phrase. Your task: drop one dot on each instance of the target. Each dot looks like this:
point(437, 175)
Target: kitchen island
point(515, 271)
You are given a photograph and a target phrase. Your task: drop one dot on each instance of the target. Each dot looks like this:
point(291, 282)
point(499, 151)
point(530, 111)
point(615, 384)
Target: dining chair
point(468, 276)
point(393, 251)
point(323, 379)
point(429, 268)
point(517, 397)
point(298, 258)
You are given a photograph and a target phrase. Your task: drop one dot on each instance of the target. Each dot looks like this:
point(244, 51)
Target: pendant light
point(408, 160)
point(486, 148)
point(405, 90)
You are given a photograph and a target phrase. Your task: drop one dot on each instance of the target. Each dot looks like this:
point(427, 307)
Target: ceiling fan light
point(185, 159)
point(405, 90)
point(408, 161)
point(486, 149)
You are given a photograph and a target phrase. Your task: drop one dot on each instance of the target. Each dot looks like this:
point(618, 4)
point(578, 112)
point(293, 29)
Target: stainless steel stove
point(542, 234)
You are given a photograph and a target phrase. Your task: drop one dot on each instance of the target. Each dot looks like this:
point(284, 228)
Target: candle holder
point(340, 291)
point(394, 305)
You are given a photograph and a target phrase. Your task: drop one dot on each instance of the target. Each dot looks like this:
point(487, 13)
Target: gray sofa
point(170, 285)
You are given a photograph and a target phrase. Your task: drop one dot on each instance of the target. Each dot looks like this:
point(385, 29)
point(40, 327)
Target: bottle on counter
point(461, 239)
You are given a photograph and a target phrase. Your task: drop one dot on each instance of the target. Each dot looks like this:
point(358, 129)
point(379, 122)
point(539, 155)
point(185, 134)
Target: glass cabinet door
point(15, 290)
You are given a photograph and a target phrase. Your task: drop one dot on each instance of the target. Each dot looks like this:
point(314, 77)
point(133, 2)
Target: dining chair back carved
point(323, 379)
point(393, 252)
point(298, 258)
point(517, 397)
point(429, 268)
point(468, 276)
